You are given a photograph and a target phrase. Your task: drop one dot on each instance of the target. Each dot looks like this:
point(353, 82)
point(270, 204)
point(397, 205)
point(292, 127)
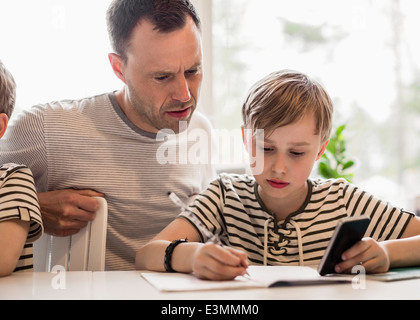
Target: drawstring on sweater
point(266, 238)
point(284, 242)
point(299, 237)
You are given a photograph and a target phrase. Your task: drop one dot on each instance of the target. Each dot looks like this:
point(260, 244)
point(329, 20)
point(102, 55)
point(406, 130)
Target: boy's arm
point(381, 256)
point(151, 256)
point(405, 252)
point(13, 236)
point(209, 261)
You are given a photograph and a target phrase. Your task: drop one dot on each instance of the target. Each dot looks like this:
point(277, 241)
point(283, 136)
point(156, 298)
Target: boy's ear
point(244, 140)
point(4, 120)
point(322, 150)
point(117, 65)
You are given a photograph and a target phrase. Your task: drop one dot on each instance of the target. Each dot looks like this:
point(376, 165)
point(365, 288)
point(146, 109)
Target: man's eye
point(162, 78)
point(191, 72)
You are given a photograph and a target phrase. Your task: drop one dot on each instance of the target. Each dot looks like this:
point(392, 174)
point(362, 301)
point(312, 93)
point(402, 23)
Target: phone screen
point(347, 233)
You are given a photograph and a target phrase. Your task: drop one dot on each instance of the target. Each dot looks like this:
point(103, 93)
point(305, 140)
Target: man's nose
point(181, 90)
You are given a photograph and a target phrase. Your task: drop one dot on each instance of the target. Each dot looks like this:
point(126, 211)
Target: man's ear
point(117, 65)
point(322, 150)
point(4, 120)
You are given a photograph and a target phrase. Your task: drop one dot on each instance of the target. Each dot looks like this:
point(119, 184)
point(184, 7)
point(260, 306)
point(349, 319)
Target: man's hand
point(66, 212)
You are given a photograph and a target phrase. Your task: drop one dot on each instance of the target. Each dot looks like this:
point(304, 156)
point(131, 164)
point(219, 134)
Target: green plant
point(334, 163)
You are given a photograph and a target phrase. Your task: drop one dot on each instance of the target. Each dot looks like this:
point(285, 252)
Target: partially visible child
point(20, 217)
point(279, 216)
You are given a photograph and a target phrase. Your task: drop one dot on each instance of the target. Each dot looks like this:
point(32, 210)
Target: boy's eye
point(263, 148)
point(297, 154)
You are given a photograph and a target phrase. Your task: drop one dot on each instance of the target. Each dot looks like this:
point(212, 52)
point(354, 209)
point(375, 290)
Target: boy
point(279, 216)
point(20, 217)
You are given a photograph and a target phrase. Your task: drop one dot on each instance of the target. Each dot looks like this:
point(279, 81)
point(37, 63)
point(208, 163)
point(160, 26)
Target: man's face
point(163, 73)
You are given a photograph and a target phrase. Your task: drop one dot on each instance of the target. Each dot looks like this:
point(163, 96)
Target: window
point(365, 52)
point(56, 49)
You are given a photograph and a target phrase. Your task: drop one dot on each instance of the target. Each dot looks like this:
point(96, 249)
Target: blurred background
point(365, 52)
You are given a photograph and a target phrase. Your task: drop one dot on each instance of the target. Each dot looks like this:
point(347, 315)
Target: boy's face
point(289, 154)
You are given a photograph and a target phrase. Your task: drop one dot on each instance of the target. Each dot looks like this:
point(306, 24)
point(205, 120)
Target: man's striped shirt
point(91, 144)
point(231, 208)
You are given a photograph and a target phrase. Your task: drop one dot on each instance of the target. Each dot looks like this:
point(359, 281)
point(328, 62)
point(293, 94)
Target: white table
point(129, 285)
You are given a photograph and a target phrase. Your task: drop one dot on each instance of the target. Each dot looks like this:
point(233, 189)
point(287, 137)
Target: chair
point(84, 251)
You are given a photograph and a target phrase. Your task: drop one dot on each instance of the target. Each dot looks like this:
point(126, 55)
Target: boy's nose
point(279, 164)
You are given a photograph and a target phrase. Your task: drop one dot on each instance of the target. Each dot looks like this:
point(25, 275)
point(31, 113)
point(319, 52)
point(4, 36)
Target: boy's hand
point(66, 212)
point(214, 262)
point(368, 253)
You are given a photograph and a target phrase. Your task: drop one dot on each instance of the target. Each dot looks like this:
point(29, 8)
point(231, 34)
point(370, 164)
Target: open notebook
point(259, 277)
point(268, 277)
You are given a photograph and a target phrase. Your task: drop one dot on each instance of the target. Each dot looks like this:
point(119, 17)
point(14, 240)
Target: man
point(111, 145)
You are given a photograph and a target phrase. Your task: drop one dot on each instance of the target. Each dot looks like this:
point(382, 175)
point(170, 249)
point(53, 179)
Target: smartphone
point(348, 232)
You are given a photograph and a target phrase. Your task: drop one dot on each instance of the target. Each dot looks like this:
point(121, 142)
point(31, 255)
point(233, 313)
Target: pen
point(212, 237)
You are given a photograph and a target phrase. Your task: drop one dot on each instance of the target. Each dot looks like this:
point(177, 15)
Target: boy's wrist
point(167, 260)
point(391, 250)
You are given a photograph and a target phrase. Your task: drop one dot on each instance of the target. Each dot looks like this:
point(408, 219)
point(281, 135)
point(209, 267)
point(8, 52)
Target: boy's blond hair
point(284, 97)
point(7, 91)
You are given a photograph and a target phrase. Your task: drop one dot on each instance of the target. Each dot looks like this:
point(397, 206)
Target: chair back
point(84, 251)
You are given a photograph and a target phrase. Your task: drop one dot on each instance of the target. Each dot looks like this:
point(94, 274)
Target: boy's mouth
point(277, 184)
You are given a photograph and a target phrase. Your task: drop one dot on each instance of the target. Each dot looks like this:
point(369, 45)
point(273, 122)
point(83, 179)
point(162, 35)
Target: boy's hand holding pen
point(220, 259)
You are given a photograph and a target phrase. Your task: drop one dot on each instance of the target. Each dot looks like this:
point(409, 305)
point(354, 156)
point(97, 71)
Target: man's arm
point(64, 212)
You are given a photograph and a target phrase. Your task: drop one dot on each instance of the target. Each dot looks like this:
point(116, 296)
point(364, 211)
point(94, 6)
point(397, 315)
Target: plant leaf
point(348, 164)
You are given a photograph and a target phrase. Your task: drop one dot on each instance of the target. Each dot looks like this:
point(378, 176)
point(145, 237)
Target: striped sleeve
point(18, 198)
point(387, 222)
point(207, 211)
point(223, 210)
point(229, 209)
